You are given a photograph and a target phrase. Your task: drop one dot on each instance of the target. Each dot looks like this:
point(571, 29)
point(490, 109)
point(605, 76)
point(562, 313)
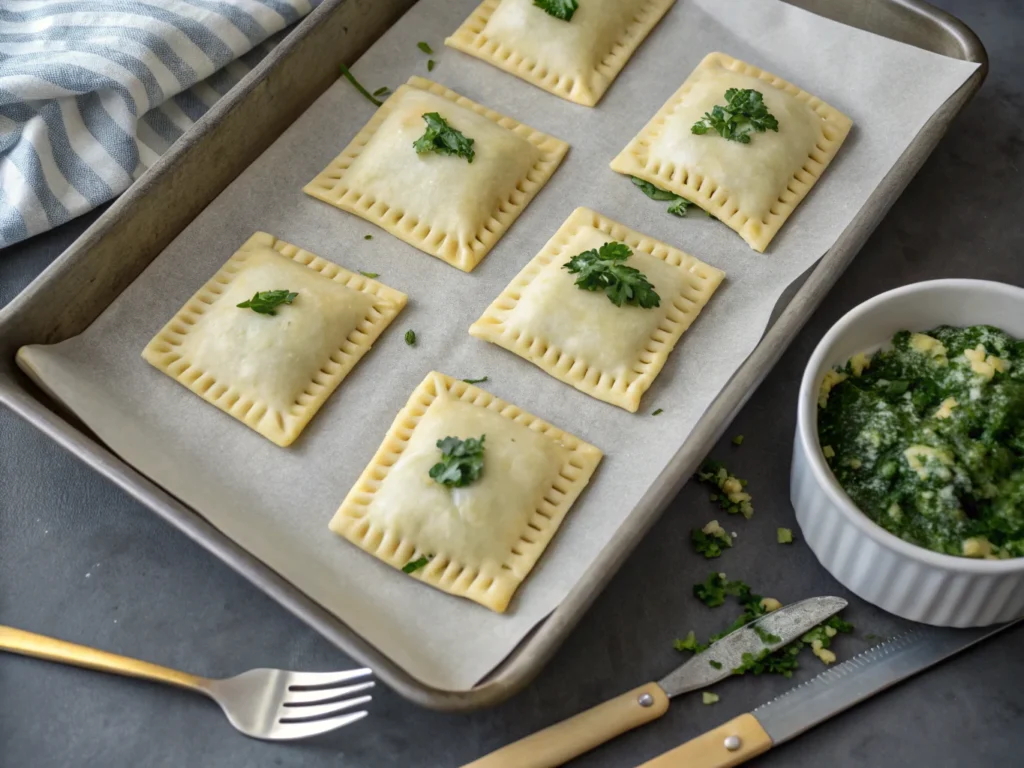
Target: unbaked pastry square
point(273, 372)
point(611, 352)
point(753, 187)
point(576, 59)
point(480, 540)
point(443, 205)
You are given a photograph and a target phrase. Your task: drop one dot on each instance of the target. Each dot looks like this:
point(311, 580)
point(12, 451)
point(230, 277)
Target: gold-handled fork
point(272, 704)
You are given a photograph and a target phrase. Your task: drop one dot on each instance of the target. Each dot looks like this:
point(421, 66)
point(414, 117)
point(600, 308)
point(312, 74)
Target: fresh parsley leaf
point(367, 237)
point(766, 637)
point(359, 87)
point(481, 380)
point(410, 338)
point(715, 664)
point(443, 139)
point(657, 411)
point(744, 112)
point(784, 536)
point(430, 65)
point(710, 543)
point(738, 440)
point(425, 47)
point(689, 643)
point(370, 275)
point(602, 270)
point(560, 9)
point(679, 206)
point(266, 302)
point(461, 462)
point(382, 91)
point(415, 565)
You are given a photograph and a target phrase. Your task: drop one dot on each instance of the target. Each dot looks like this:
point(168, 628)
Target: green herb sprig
point(441, 138)
point(359, 87)
point(744, 112)
point(679, 205)
point(560, 9)
point(603, 269)
point(267, 302)
point(462, 461)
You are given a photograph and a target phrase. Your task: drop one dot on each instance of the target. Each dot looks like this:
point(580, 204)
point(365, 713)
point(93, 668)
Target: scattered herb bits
point(415, 565)
point(442, 139)
point(733, 498)
point(784, 535)
point(430, 65)
point(744, 112)
point(461, 462)
point(679, 205)
point(603, 269)
point(710, 540)
point(410, 338)
point(714, 664)
point(738, 440)
point(382, 92)
point(425, 47)
point(657, 411)
point(370, 275)
point(710, 698)
point(560, 9)
point(267, 302)
point(367, 237)
point(359, 87)
point(481, 380)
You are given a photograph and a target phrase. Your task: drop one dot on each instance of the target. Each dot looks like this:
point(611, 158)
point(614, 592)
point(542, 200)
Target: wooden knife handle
point(711, 750)
point(570, 738)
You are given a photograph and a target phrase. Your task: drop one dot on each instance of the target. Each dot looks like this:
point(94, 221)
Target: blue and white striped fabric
point(92, 92)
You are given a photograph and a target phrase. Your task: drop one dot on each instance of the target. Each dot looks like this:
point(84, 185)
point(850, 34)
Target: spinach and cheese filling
point(927, 438)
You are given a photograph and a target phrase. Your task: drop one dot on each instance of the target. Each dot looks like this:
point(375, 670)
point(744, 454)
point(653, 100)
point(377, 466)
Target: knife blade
point(570, 738)
point(833, 691)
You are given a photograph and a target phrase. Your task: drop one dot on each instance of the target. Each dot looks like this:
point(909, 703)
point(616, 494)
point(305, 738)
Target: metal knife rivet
point(732, 743)
point(645, 700)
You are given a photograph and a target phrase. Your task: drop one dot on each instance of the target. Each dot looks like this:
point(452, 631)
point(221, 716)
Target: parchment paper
point(276, 502)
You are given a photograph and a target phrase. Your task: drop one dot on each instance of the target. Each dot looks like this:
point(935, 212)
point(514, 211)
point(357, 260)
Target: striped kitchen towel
point(92, 92)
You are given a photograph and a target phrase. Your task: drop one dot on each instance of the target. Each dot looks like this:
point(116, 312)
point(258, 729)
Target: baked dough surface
point(579, 337)
point(273, 372)
point(576, 59)
point(443, 205)
point(753, 187)
point(483, 538)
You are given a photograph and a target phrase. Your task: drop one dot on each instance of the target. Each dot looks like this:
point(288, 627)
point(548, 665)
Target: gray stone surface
point(81, 560)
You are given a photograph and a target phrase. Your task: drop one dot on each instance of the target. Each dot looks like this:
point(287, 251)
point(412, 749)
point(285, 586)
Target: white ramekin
point(904, 579)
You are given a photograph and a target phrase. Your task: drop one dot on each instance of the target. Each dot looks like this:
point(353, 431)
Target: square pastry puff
point(441, 204)
point(483, 539)
point(610, 352)
point(273, 372)
point(576, 59)
point(753, 187)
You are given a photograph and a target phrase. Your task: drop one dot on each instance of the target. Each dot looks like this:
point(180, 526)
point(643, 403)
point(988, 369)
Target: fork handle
point(52, 649)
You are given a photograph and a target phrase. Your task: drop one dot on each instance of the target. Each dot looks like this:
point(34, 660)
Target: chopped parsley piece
point(738, 440)
point(679, 205)
point(351, 78)
point(370, 275)
point(410, 338)
point(710, 540)
point(560, 9)
point(430, 65)
point(267, 302)
point(603, 269)
point(657, 411)
point(461, 462)
point(714, 589)
point(766, 637)
point(443, 139)
point(415, 565)
point(709, 698)
point(481, 380)
point(425, 47)
point(382, 91)
point(367, 237)
point(715, 664)
point(745, 111)
point(784, 536)
point(689, 643)
point(733, 498)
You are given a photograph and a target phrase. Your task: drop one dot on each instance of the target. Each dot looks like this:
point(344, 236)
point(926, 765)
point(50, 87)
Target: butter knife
point(579, 734)
point(833, 691)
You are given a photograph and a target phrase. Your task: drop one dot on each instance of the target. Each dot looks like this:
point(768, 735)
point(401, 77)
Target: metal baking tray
point(83, 281)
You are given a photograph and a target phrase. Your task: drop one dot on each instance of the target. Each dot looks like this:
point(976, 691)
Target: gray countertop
point(81, 560)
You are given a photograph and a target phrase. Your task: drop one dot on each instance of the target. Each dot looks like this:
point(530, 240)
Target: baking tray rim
point(537, 647)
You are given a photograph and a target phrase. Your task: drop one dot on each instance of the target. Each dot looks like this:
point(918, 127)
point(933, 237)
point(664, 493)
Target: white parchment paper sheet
point(276, 502)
